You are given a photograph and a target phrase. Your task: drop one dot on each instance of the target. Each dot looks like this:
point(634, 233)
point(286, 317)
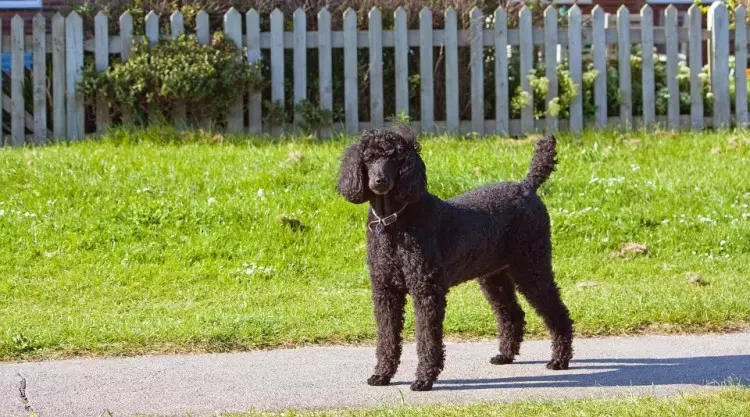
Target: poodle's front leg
point(389, 314)
point(429, 308)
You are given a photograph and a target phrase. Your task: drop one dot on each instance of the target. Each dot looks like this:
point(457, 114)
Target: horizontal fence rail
point(474, 57)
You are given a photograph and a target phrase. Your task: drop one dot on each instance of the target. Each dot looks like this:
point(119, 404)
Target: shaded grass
point(732, 402)
point(159, 241)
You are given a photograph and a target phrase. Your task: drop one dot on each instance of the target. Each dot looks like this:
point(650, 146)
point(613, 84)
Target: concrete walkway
point(335, 377)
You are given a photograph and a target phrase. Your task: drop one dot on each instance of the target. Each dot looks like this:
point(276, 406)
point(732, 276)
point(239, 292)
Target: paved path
point(335, 377)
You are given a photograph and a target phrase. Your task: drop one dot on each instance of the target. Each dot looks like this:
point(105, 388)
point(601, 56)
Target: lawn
point(732, 402)
point(153, 241)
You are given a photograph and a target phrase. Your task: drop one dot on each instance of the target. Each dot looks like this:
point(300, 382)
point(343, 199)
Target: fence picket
point(255, 110)
point(623, 52)
point(550, 64)
point(600, 65)
point(575, 50)
point(740, 59)
point(101, 36)
point(74, 71)
point(233, 30)
point(526, 50)
point(401, 59)
point(502, 123)
point(426, 68)
point(58, 77)
point(695, 32)
point(202, 28)
point(452, 117)
point(126, 45)
point(40, 79)
point(476, 37)
point(277, 63)
point(673, 102)
point(152, 28)
point(179, 110)
point(299, 60)
point(376, 68)
point(351, 70)
point(719, 18)
point(17, 104)
point(647, 66)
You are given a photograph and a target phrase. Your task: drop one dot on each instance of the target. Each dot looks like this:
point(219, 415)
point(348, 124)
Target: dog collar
point(382, 222)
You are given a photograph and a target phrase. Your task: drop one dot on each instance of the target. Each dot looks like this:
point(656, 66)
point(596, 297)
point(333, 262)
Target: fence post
point(695, 33)
point(673, 102)
point(550, 64)
point(17, 104)
point(452, 118)
point(526, 50)
point(233, 30)
point(300, 60)
point(74, 70)
point(401, 51)
point(648, 88)
point(623, 51)
point(600, 65)
point(575, 49)
point(203, 33)
point(476, 38)
point(376, 68)
point(58, 76)
point(255, 117)
point(126, 44)
point(179, 110)
point(502, 125)
point(277, 64)
point(101, 33)
point(351, 70)
point(719, 18)
point(740, 65)
point(426, 70)
point(40, 79)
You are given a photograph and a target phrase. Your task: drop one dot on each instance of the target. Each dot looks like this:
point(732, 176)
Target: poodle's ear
point(412, 178)
point(352, 175)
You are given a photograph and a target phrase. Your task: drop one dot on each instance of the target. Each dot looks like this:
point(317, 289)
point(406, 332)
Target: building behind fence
point(61, 41)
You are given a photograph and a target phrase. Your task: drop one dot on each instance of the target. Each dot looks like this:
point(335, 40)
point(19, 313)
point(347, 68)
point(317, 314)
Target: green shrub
point(207, 78)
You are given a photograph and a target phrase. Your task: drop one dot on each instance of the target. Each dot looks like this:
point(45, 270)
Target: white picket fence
point(67, 46)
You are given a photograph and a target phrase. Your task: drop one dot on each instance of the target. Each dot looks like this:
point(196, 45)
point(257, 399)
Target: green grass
point(733, 402)
point(139, 244)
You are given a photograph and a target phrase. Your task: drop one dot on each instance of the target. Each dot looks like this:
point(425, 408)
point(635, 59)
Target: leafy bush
point(207, 78)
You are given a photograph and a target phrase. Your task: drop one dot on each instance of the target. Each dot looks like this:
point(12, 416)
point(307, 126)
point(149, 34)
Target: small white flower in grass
point(211, 201)
point(261, 193)
point(2, 213)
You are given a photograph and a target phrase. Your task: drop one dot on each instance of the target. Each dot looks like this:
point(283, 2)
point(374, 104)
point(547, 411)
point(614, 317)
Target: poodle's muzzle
point(381, 174)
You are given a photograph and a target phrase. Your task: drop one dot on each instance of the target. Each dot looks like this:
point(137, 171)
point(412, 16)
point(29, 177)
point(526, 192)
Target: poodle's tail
point(543, 162)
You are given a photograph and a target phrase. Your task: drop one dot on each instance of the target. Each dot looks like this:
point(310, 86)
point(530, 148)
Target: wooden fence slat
point(179, 110)
point(426, 69)
point(255, 110)
point(40, 79)
point(74, 71)
point(575, 50)
point(152, 28)
point(623, 52)
point(299, 19)
point(647, 66)
point(719, 18)
point(101, 40)
point(17, 105)
point(126, 41)
point(452, 115)
point(695, 55)
point(673, 89)
point(401, 61)
point(740, 59)
point(351, 70)
point(277, 61)
point(476, 36)
point(600, 65)
point(527, 66)
point(59, 121)
point(202, 28)
point(550, 64)
point(233, 30)
point(376, 68)
point(502, 123)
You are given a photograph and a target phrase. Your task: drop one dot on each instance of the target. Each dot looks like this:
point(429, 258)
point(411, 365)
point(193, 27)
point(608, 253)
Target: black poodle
point(420, 245)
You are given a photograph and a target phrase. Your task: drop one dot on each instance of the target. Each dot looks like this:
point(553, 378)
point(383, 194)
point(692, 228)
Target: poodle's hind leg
point(500, 291)
point(389, 314)
point(535, 281)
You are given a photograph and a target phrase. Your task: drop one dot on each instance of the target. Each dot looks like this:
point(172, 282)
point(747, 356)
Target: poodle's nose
point(380, 181)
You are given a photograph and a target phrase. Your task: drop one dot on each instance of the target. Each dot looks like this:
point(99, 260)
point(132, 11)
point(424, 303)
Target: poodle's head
point(383, 162)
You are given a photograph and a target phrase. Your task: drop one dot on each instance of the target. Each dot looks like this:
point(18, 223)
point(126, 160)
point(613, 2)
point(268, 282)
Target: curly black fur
point(498, 234)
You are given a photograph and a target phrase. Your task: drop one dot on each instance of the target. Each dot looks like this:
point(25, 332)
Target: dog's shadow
point(710, 370)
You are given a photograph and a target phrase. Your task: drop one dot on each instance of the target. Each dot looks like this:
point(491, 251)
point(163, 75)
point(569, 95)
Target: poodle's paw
point(421, 385)
point(378, 380)
point(501, 360)
point(557, 365)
